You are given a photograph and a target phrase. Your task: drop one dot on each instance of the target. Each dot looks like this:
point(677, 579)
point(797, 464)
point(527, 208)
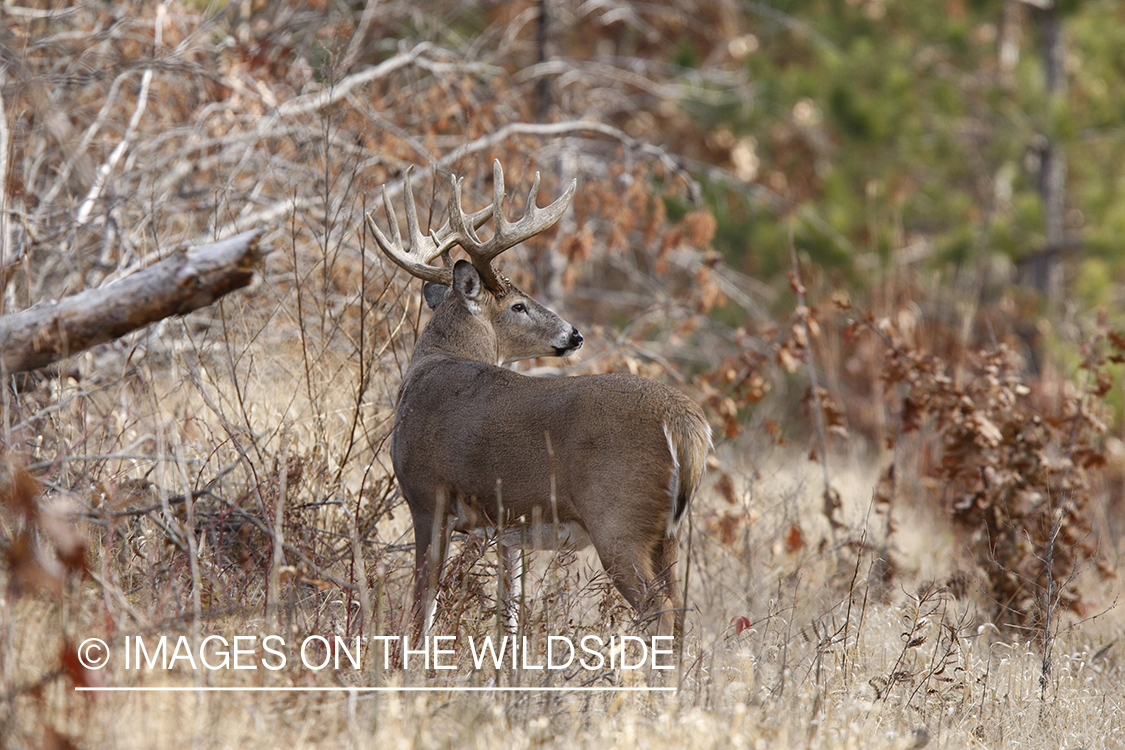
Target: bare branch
point(110, 164)
point(187, 281)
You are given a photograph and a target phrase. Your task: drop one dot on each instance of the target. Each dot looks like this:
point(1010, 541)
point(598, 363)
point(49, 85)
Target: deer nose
point(572, 342)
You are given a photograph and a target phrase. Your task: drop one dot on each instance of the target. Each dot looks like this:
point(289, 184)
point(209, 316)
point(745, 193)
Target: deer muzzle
point(572, 344)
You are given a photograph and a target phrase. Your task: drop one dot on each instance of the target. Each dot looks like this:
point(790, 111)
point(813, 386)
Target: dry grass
point(832, 653)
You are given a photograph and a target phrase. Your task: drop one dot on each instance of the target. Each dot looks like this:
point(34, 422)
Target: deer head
point(511, 324)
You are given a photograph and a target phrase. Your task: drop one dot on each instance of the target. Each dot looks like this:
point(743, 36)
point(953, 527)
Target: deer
point(608, 460)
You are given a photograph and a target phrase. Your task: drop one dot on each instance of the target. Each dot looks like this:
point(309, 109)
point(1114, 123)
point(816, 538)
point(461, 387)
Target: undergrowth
point(932, 574)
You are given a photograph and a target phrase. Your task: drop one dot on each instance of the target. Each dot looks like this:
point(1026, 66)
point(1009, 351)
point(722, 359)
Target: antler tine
point(423, 249)
point(460, 229)
point(456, 230)
point(508, 234)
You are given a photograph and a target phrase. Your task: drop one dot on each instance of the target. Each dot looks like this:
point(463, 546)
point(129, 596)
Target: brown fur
point(466, 429)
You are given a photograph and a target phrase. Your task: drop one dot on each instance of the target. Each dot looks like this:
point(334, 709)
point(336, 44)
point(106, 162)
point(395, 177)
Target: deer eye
point(519, 307)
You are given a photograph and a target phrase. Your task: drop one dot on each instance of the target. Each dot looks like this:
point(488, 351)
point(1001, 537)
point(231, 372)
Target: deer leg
point(509, 585)
point(665, 556)
point(431, 545)
point(630, 564)
point(428, 563)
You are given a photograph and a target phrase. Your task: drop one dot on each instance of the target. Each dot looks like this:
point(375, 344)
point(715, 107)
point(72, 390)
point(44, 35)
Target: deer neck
point(454, 331)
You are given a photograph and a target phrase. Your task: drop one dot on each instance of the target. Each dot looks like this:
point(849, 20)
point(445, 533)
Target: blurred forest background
point(878, 240)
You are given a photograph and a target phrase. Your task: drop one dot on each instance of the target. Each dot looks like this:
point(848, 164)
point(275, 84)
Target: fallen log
point(188, 280)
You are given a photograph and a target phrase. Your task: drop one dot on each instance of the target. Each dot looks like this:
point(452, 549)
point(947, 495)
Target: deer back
point(473, 430)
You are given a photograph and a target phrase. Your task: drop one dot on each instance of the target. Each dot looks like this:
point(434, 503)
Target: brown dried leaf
point(728, 527)
point(18, 490)
point(789, 360)
point(77, 672)
point(725, 487)
point(794, 539)
point(885, 488)
point(29, 569)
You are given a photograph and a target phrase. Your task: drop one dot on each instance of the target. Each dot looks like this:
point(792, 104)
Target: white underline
point(451, 689)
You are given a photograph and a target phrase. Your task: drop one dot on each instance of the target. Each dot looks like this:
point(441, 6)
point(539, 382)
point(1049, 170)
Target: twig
point(831, 497)
point(77, 153)
point(278, 561)
point(312, 102)
point(359, 36)
point(87, 206)
point(5, 227)
point(187, 529)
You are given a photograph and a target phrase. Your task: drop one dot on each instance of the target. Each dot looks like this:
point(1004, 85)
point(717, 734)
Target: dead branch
point(188, 280)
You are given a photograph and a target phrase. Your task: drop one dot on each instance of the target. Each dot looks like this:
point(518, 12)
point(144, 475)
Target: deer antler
point(508, 234)
point(460, 229)
point(423, 248)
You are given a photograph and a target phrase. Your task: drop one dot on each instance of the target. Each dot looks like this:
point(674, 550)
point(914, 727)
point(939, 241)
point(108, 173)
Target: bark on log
point(188, 280)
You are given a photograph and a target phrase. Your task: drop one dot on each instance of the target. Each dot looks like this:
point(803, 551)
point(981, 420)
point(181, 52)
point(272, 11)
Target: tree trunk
point(1052, 159)
point(188, 280)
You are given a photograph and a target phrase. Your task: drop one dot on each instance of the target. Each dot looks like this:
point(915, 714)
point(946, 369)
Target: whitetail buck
point(611, 460)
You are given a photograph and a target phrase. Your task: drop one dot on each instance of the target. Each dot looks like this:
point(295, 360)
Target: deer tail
point(689, 442)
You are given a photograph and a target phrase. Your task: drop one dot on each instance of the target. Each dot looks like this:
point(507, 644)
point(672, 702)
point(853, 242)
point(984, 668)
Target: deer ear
point(466, 281)
point(434, 293)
